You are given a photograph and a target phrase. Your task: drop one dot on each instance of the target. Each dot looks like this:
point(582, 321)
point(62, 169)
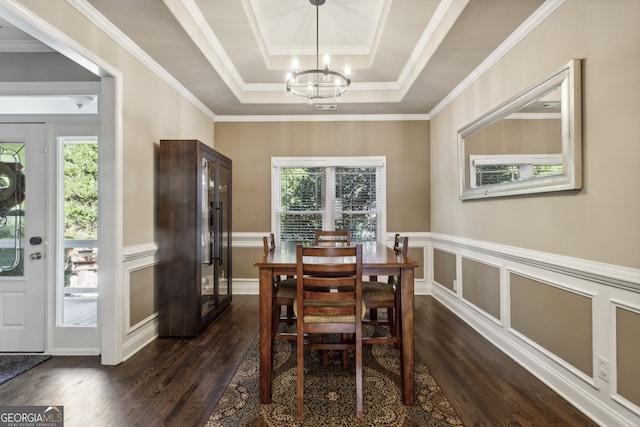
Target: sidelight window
point(78, 164)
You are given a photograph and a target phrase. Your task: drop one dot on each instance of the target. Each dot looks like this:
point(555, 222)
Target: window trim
point(329, 162)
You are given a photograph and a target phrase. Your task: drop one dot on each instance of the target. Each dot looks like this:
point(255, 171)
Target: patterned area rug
point(12, 366)
point(330, 392)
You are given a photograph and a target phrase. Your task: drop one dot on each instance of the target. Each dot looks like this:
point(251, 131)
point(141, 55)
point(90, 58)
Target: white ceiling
point(233, 55)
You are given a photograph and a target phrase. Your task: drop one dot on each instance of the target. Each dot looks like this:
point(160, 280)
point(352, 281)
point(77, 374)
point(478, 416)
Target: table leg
point(266, 312)
point(407, 350)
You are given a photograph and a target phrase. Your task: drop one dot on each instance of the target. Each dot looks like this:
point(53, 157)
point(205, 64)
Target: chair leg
point(290, 315)
point(398, 325)
point(358, 356)
point(300, 373)
point(277, 310)
point(325, 352)
point(393, 327)
point(345, 353)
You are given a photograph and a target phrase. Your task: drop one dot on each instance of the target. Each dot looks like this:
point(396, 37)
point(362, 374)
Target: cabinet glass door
point(208, 214)
point(224, 231)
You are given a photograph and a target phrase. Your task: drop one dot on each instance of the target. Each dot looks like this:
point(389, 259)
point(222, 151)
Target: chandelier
point(318, 83)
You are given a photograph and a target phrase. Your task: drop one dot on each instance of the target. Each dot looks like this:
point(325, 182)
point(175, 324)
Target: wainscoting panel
point(627, 350)
point(141, 316)
point(481, 286)
point(142, 294)
point(444, 268)
point(557, 319)
point(572, 323)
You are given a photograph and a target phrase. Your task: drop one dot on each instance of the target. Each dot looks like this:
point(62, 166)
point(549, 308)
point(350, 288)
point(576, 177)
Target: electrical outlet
point(455, 285)
point(603, 368)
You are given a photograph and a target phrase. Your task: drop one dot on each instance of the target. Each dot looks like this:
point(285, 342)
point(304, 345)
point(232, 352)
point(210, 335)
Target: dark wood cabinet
point(194, 236)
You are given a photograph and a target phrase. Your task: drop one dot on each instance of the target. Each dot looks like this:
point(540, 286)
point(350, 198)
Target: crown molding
point(327, 118)
point(542, 13)
point(125, 42)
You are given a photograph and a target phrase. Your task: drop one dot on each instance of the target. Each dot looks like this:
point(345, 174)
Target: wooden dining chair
point(284, 293)
point(323, 310)
point(379, 295)
point(332, 238)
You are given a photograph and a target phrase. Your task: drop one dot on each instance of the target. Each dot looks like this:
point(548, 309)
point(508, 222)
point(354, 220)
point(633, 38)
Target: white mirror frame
point(568, 79)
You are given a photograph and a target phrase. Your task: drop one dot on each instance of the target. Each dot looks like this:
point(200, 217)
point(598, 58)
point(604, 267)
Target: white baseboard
point(139, 338)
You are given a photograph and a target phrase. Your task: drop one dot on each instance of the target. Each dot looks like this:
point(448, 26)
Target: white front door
point(22, 237)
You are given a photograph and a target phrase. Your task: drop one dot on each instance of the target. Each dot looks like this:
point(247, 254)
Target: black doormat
point(13, 365)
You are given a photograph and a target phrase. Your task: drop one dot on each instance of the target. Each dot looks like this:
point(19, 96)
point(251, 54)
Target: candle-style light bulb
point(347, 66)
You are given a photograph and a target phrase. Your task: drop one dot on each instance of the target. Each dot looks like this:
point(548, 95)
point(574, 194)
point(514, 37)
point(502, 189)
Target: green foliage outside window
point(304, 203)
point(81, 191)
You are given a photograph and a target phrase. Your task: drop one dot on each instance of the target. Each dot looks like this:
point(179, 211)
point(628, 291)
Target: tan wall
point(243, 260)
point(538, 309)
point(251, 146)
point(599, 222)
point(152, 111)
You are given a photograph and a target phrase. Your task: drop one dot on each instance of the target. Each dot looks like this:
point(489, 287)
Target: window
point(78, 166)
point(328, 193)
point(497, 169)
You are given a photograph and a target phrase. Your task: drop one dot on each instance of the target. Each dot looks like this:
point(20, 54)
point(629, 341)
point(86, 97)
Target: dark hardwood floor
point(484, 385)
point(177, 382)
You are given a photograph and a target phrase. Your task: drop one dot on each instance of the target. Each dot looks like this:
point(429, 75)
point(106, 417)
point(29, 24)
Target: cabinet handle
point(211, 232)
point(220, 251)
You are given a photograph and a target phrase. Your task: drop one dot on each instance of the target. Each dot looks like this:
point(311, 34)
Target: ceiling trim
point(328, 118)
point(446, 14)
point(539, 16)
point(195, 25)
point(444, 17)
point(126, 43)
point(384, 15)
point(119, 37)
point(189, 16)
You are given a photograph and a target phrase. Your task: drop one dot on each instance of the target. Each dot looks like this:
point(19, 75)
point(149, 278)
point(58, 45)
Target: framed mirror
point(532, 143)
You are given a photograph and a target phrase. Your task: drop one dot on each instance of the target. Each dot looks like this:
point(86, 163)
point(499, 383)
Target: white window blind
point(329, 193)
point(497, 169)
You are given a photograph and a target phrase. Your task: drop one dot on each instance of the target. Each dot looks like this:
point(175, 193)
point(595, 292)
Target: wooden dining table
point(377, 259)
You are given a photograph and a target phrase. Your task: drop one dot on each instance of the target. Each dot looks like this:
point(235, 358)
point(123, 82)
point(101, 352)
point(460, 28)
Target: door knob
point(35, 240)
point(35, 255)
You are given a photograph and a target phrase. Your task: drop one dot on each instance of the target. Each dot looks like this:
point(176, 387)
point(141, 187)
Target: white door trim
point(111, 307)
